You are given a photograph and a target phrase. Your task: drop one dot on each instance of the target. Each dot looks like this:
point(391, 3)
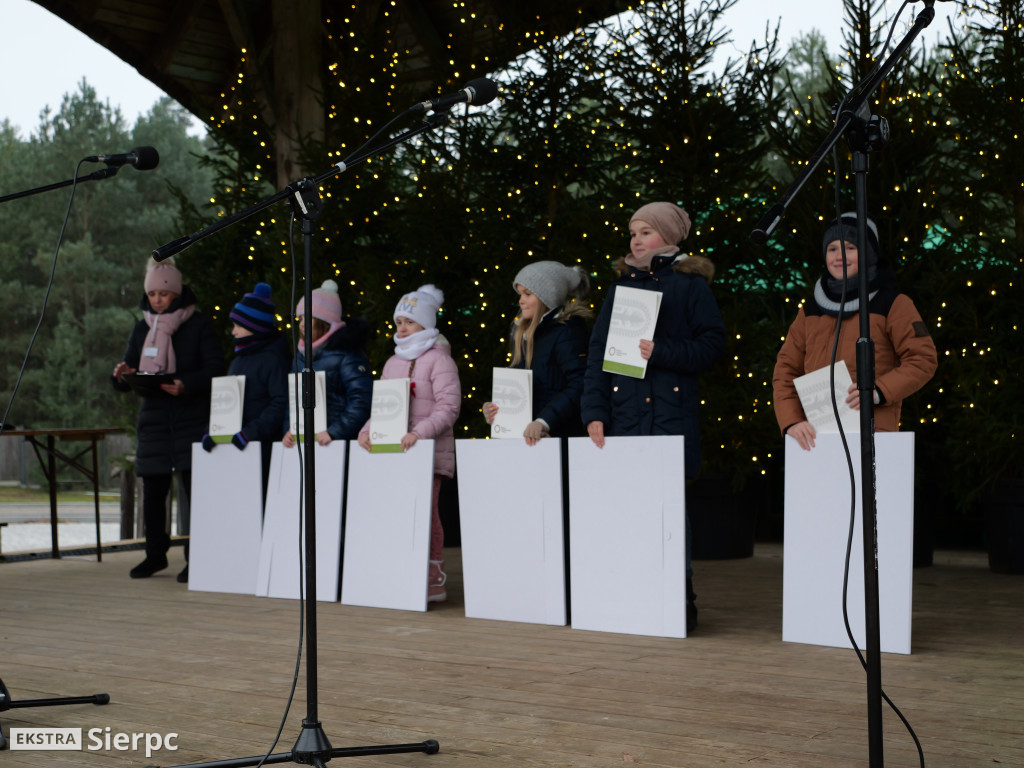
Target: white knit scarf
point(415, 344)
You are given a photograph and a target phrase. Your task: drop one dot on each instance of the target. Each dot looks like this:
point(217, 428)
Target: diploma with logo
point(226, 396)
point(816, 399)
point(298, 420)
point(512, 392)
point(634, 315)
point(389, 415)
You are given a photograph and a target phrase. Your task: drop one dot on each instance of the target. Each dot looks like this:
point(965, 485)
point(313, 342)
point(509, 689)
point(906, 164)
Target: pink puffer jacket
point(436, 399)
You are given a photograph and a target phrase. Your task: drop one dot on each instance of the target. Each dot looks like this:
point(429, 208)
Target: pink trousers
point(436, 531)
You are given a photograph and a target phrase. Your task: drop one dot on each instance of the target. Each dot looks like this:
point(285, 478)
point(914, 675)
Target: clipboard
point(148, 383)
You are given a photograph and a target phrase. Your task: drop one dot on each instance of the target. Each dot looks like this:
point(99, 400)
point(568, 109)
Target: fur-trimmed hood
point(696, 265)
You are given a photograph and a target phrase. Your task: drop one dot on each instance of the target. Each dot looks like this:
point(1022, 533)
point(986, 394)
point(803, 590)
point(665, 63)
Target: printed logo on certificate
point(389, 415)
point(298, 421)
point(816, 399)
point(227, 393)
point(512, 392)
point(634, 316)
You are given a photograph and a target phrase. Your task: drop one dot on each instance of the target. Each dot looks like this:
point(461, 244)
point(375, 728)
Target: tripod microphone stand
point(99, 699)
point(6, 702)
point(864, 134)
point(312, 746)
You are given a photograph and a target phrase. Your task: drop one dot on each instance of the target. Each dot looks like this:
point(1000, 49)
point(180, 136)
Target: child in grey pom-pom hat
point(550, 338)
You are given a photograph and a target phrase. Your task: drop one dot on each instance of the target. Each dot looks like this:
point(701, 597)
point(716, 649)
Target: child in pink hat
point(339, 349)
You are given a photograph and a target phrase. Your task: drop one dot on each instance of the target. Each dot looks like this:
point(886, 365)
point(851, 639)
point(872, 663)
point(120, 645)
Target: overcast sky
point(42, 57)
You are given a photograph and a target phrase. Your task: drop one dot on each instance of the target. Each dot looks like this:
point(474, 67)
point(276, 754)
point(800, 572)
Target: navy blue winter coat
point(689, 338)
point(349, 379)
point(265, 365)
point(168, 424)
point(559, 366)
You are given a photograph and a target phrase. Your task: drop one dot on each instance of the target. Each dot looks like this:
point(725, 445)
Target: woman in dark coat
point(174, 339)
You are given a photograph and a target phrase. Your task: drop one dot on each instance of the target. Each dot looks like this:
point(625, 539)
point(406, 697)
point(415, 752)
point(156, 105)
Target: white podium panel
point(627, 535)
point(227, 519)
point(387, 528)
point(817, 522)
point(283, 524)
point(510, 516)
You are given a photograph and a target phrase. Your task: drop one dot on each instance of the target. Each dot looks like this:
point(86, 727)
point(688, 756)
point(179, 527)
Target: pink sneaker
point(436, 579)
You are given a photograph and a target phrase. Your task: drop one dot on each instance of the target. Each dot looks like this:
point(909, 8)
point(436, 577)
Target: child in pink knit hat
point(339, 349)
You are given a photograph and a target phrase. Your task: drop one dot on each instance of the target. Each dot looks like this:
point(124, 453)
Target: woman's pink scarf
point(161, 329)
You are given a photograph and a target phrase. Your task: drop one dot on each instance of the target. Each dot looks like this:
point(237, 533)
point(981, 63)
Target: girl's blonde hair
point(574, 306)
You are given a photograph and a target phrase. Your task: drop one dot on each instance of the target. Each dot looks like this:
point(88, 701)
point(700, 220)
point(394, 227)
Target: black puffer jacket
point(167, 424)
point(559, 365)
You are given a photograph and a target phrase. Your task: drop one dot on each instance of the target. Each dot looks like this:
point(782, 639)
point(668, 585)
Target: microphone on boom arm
point(479, 91)
point(142, 158)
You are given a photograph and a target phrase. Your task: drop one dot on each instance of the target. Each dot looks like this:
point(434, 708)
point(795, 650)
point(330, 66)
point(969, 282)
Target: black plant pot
point(723, 521)
point(1004, 526)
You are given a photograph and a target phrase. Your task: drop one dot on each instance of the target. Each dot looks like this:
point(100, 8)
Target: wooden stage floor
point(216, 670)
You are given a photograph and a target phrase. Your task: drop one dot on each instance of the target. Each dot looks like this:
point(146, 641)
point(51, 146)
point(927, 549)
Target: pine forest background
point(586, 128)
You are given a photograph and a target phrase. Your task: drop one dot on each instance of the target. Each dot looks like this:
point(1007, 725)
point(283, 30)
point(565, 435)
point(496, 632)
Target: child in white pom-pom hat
point(423, 355)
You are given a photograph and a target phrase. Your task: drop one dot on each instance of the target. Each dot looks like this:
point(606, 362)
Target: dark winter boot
point(691, 607)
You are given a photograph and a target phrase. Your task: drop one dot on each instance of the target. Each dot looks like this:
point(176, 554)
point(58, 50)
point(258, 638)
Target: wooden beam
point(297, 101)
point(174, 33)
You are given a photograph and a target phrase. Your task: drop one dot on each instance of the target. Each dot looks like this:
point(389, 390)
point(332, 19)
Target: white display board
point(510, 516)
point(817, 524)
point(387, 528)
point(283, 525)
point(227, 519)
point(627, 535)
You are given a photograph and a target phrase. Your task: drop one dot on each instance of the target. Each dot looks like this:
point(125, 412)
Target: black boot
point(691, 607)
point(149, 566)
point(183, 576)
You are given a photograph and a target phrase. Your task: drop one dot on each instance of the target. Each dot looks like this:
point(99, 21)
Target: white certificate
point(512, 392)
point(389, 415)
point(227, 394)
point(298, 421)
point(816, 399)
point(634, 315)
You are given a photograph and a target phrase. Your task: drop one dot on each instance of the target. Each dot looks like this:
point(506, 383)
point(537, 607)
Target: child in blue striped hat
point(263, 356)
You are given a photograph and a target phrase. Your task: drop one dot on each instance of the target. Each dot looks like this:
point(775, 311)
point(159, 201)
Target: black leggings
point(154, 511)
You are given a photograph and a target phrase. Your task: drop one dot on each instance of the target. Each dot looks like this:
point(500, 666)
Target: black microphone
point(143, 158)
point(479, 91)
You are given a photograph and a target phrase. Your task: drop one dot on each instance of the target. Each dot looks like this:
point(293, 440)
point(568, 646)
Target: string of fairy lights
point(607, 137)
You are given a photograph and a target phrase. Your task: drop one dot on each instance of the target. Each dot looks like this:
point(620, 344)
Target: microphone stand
point(864, 133)
point(312, 746)
point(102, 173)
point(6, 703)
point(99, 699)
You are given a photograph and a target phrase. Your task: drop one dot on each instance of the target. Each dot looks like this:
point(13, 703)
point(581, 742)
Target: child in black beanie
point(905, 356)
